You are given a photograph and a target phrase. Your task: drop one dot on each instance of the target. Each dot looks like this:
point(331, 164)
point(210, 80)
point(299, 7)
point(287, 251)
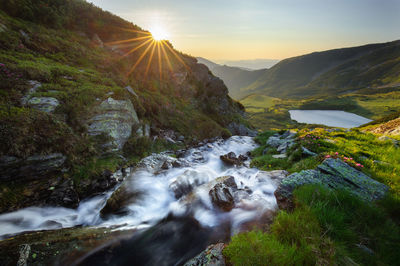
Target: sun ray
point(153, 44)
point(130, 40)
point(166, 56)
point(137, 31)
point(139, 60)
point(175, 54)
point(159, 60)
point(137, 47)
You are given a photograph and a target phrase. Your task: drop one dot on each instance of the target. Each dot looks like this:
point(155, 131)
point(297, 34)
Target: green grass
point(326, 228)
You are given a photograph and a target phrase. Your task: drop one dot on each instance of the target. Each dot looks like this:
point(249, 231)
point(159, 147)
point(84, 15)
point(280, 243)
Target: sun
point(158, 33)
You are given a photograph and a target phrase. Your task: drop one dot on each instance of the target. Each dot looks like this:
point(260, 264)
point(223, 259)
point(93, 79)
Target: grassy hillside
point(375, 66)
point(234, 78)
point(73, 50)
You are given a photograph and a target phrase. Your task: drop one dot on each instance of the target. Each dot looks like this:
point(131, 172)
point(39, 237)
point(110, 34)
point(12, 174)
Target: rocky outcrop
point(222, 194)
point(231, 159)
point(64, 195)
point(241, 130)
point(45, 104)
point(212, 256)
point(391, 127)
point(34, 86)
point(33, 167)
point(115, 119)
point(333, 174)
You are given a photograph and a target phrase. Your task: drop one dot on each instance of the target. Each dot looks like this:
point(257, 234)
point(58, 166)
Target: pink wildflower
point(328, 156)
point(336, 153)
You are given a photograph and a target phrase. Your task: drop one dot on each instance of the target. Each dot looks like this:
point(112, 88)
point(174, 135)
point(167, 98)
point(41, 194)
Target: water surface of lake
point(331, 118)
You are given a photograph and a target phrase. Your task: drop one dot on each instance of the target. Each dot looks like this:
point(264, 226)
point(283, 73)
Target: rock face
point(231, 159)
point(45, 104)
point(333, 174)
point(64, 195)
point(212, 256)
point(241, 130)
point(33, 167)
point(222, 193)
point(115, 119)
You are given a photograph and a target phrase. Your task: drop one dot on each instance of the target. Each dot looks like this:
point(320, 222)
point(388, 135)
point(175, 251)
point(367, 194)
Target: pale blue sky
point(249, 29)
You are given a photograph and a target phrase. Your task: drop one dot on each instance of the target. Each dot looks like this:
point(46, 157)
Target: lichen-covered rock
point(282, 142)
point(276, 175)
point(115, 119)
point(333, 174)
point(45, 104)
point(212, 256)
point(24, 252)
point(34, 86)
point(33, 167)
point(222, 193)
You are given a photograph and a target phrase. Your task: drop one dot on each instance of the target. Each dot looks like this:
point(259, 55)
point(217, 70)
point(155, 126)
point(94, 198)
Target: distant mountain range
point(235, 78)
point(251, 64)
point(332, 72)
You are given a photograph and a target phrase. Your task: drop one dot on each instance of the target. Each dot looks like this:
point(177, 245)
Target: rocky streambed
point(198, 187)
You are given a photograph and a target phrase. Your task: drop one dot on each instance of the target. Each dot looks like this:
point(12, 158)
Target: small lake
point(332, 118)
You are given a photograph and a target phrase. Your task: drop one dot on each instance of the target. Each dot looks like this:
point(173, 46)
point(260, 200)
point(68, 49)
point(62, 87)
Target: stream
point(199, 167)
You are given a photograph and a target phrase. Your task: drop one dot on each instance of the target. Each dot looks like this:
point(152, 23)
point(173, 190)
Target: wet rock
point(221, 194)
point(33, 167)
point(24, 252)
point(64, 195)
point(154, 162)
point(172, 241)
point(241, 130)
point(212, 256)
point(231, 159)
point(333, 174)
point(119, 200)
point(115, 119)
point(166, 165)
point(44, 104)
point(104, 182)
point(185, 183)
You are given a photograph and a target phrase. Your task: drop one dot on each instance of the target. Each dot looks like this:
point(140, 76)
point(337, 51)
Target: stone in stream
point(222, 193)
point(211, 256)
point(185, 183)
point(230, 158)
point(333, 174)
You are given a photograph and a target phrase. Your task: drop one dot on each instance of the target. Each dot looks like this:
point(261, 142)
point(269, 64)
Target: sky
point(273, 29)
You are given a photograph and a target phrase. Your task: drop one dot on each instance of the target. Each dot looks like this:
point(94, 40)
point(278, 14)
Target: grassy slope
point(329, 227)
point(331, 72)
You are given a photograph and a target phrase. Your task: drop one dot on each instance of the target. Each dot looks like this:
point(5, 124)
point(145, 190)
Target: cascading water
point(198, 166)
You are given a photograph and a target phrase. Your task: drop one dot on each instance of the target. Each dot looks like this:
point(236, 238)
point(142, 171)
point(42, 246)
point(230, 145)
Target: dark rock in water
point(33, 167)
point(230, 158)
point(186, 182)
point(212, 256)
point(333, 174)
point(119, 200)
point(64, 195)
point(241, 130)
point(180, 153)
point(173, 241)
point(166, 165)
point(222, 193)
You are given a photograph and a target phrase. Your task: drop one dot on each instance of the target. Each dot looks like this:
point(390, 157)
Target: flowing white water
point(158, 200)
point(331, 118)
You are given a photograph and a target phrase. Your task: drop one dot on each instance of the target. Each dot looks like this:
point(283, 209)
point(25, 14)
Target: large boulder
point(333, 174)
point(222, 194)
point(212, 256)
point(282, 142)
point(33, 167)
point(115, 119)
